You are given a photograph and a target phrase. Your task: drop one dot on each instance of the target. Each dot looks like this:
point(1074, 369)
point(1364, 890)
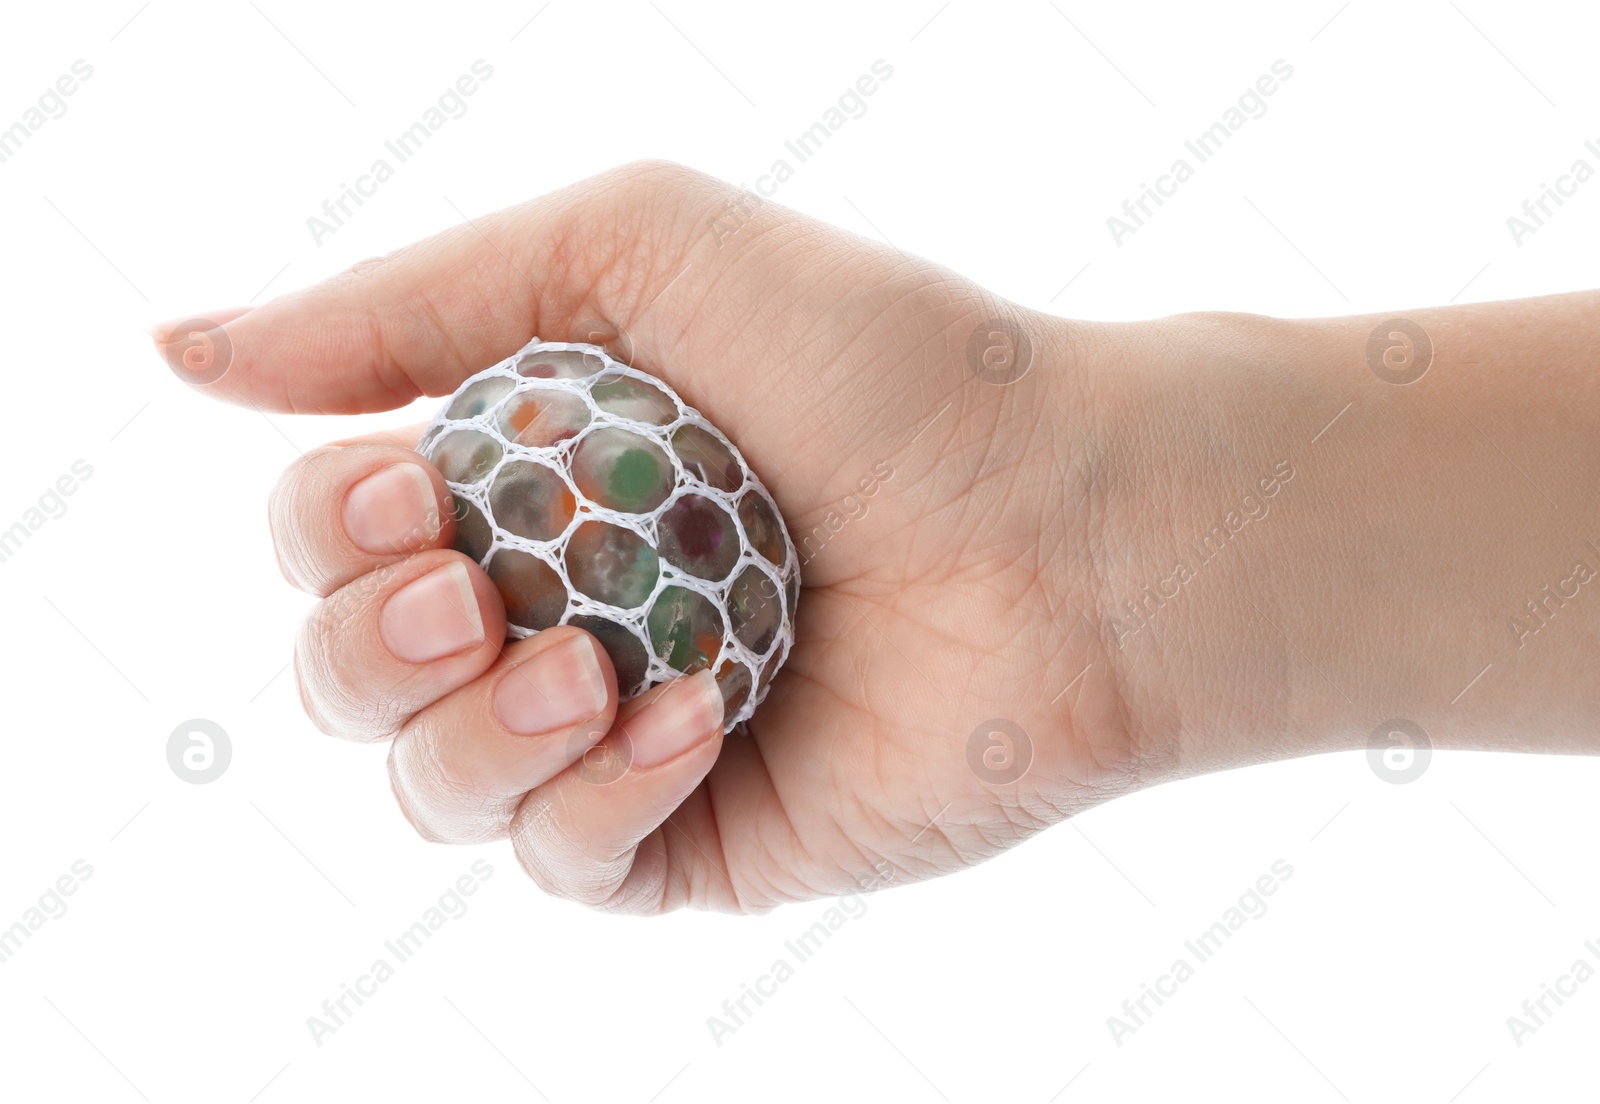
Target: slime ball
point(594, 497)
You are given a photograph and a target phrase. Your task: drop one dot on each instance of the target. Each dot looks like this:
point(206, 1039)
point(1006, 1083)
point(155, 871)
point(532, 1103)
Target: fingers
point(420, 320)
point(342, 511)
point(590, 834)
point(461, 767)
point(380, 649)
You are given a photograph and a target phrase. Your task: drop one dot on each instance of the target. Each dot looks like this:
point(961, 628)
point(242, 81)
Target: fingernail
point(686, 714)
point(392, 510)
point(554, 689)
point(162, 333)
point(432, 617)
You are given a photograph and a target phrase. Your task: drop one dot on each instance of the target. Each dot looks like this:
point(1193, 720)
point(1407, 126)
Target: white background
point(220, 916)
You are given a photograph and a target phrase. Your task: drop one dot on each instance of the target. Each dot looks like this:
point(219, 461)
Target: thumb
point(581, 264)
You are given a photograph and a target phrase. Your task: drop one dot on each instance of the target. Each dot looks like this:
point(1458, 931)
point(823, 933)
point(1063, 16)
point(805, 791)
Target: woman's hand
point(931, 446)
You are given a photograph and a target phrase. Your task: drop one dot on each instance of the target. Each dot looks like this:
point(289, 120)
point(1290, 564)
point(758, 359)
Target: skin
point(1042, 473)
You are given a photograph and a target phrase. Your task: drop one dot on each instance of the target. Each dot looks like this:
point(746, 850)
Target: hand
point(939, 509)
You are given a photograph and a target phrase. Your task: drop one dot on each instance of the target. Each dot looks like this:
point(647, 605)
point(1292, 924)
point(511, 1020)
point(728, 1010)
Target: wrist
point(1206, 491)
point(1086, 398)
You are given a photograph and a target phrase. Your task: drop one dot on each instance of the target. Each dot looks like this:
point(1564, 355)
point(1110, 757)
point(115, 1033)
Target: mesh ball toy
point(593, 496)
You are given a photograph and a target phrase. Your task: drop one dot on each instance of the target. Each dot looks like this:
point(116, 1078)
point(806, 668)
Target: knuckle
point(656, 171)
point(409, 807)
point(311, 467)
point(306, 687)
point(641, 892)
point(569, 869)
point(292, 508)
point(650, 183)
point(442, 804)
point(534, 859)
point(311, 667)
point(364, 270)
point(546, 852)
point(339, 702)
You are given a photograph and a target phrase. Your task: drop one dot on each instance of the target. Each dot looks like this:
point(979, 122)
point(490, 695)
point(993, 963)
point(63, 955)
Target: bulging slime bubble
point(594, 497)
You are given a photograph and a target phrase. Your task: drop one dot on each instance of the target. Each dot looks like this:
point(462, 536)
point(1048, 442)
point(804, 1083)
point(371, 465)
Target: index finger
point(420, 320)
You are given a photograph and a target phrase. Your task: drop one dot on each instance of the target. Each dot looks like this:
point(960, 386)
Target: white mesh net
point(593, 496)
